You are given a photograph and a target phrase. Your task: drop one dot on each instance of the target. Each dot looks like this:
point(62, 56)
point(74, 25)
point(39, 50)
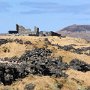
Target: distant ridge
point(77, 28)
point(78, 31)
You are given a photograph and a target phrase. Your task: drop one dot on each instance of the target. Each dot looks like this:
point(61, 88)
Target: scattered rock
point(72, 49)
point(80, 65)
point(6, 50)
point(3, 41)
point(28, 42)
point(29, 87)
point(18, 41)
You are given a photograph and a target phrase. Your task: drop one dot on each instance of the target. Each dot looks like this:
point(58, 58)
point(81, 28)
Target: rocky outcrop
point(36, 62)
point(80, 65)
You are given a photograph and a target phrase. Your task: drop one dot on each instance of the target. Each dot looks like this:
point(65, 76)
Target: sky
point(48, 15)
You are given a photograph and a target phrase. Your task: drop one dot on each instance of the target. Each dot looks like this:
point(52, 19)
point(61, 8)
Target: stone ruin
point(23, 31)
point(20, 30)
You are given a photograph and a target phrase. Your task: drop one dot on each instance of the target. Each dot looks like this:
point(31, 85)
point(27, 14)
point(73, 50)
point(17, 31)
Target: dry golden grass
point(41, 83)
point(18, 49)
point(46, 82)
point(80, 76)
point(14, 50)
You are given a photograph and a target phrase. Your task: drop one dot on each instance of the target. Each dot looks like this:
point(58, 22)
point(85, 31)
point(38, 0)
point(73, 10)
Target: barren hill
point(44, 63)
point(79, 31)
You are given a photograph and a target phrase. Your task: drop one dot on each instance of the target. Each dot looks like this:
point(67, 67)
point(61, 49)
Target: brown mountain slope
point(79, 31)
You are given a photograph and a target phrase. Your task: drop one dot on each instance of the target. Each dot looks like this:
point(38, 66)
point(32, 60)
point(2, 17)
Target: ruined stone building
point(23, 31)
point(20, 30)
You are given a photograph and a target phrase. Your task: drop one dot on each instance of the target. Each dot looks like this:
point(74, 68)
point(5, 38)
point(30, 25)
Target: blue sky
point(46, 14)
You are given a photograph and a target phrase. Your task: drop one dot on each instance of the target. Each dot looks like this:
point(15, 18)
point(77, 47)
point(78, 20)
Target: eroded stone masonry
point(20, 30)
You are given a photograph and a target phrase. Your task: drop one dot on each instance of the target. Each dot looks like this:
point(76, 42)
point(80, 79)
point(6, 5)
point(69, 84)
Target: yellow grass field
point(76, 81)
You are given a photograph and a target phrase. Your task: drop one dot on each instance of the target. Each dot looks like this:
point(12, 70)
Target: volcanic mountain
point(79, 31)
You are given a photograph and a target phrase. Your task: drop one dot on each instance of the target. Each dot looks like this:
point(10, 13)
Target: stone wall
point(22, 30)
point(36, 30)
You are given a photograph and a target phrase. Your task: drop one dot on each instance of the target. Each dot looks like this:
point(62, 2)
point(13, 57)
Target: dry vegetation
point(76, 81)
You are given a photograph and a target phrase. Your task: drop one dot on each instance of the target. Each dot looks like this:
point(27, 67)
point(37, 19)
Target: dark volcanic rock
point(3, 41)
point(18, 41)
point(37, 62)
point(34, 62)
point(67, 47)
point(28, 42)
point(36, 53)
point(72, 49)
point(80, 65)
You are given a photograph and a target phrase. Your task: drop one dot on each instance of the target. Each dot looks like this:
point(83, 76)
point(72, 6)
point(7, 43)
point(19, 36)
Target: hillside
point(59, 63)
point(79, 31)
